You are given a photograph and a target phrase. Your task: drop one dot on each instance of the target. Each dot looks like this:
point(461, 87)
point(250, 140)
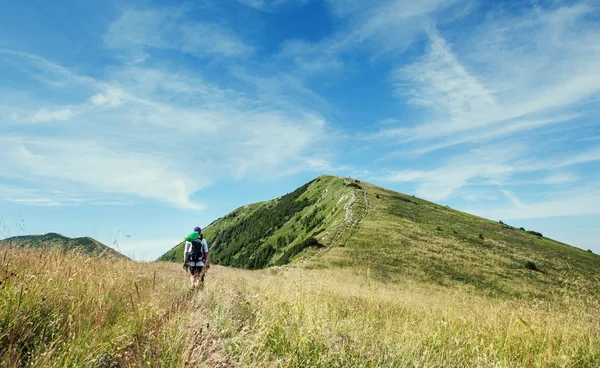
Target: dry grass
point(335, 318)
point(65, 310)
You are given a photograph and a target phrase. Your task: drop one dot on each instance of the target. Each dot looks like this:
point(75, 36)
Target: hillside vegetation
point(68, 309)
point(49, 241)
point(347, 274)
point(343, 223)
point(81, 311)
point(294, 317)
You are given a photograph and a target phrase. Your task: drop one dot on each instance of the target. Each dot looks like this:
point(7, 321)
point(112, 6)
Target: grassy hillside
point(319, 214)
point(297, 317)
point(85, 245)
point(79, 311)
point(340, 222)
point(67, 309)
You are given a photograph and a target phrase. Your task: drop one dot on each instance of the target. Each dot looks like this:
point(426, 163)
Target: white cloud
point(111, 97)
point(491, 163)
point(102, 169)
point(144, 132)
point(488, 133)
point(273, 6)
point(170, 29)
point(513, 74)
point(443, 86)
point(582, 201)
point(559, 178)
point(513, 198)
point(385, 27)
point(37, 202)
point(44, 115)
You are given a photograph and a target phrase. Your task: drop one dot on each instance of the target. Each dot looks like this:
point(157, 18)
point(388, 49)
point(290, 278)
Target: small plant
point(590, 251)
point(501, 223)
point(522, 228)
point(535, 233)
point(481, 237)
point(531, 266)
point(354, 185)
point(377, 196)
point(439, 229)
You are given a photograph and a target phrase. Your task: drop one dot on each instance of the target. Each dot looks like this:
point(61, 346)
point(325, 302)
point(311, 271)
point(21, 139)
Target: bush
point(481, 237)
point(439, 229)
point(522, 228)
point(355, 185)
point(377, 196)
point(535, 233)
point(531, 266)
point(589, 250)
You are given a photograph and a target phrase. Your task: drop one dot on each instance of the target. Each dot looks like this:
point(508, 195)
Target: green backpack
point(192, 236)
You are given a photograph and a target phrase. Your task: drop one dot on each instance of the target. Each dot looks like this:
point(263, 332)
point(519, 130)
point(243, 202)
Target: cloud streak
point(146, 132)
point(170, 29)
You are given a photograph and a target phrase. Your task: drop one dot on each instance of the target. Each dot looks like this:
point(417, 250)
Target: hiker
point(196, 257)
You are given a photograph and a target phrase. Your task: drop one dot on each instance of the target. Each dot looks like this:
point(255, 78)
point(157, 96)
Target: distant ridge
point(58, 241)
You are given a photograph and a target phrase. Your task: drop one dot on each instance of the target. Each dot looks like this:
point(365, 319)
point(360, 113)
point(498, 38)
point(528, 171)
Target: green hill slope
point(57, 241)
point(340, 222)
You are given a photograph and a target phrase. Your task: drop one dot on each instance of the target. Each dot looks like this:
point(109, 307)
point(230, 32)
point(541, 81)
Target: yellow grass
point(67, 310)
point(332, 318)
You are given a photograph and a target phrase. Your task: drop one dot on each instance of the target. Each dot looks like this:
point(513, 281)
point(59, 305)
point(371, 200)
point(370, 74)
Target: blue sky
point(148, 118)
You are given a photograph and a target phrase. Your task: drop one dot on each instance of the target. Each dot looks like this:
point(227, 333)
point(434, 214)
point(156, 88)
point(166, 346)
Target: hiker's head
point(198, 229)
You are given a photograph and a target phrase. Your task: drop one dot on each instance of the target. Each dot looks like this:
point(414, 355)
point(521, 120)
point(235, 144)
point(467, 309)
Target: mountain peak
point(336, 221)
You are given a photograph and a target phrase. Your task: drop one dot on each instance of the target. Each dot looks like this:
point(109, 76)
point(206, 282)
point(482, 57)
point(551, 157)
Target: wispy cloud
point(490, 163)
point(559, 178)
point(494, 165)
point(144, 131)
point(100, 168)
point(527, 73)
point(513, 198)
point(387, 27)
point(170, 29)
point(274, 6)
point(440, 83)
point(43, 115)
point(581, 201)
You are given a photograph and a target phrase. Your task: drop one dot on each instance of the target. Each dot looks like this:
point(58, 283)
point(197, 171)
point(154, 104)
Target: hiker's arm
point(207, 259)
point(185, 250)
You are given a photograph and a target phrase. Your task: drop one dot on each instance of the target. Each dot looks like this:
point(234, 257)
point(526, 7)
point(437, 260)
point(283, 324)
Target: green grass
point(399, 237)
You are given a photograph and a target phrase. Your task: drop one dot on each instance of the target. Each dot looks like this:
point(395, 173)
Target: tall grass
point(62, 309)
point(69, 310)
point(334, 318)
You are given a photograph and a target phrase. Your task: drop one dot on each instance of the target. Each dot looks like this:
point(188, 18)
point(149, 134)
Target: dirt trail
point(205, 347)
point(354, 213)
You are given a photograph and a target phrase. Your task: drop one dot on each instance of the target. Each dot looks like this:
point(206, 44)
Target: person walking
point(196, 257)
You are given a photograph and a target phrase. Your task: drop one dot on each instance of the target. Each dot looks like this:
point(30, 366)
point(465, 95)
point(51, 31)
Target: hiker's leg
point(202, 273)
point(193, 276)
point(196, 276)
